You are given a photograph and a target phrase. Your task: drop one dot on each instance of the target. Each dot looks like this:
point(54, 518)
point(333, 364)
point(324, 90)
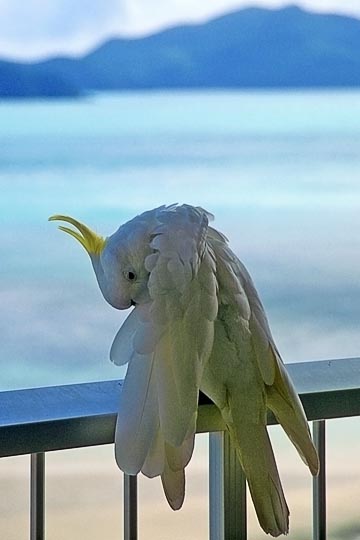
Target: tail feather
point(169, 462)
point(174, 487)
point(257, 459)
point(160, 452)
point(155, 460)
point(178, 457)
point(284, 402)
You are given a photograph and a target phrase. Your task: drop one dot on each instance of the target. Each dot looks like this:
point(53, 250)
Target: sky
point(39, 28)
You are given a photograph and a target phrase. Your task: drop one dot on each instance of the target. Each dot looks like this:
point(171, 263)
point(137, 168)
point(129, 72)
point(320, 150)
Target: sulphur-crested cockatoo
point(198, 324)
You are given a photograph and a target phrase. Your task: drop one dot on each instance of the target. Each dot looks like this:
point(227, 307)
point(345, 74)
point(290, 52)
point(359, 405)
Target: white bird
point(198, 324)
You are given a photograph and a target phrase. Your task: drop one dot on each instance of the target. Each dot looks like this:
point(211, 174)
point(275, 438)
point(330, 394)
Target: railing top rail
point(76, 415)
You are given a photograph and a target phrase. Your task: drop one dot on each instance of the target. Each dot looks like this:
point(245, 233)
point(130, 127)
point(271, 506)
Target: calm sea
point(280, 171)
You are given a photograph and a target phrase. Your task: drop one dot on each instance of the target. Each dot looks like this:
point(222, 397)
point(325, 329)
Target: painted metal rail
point(40, 420)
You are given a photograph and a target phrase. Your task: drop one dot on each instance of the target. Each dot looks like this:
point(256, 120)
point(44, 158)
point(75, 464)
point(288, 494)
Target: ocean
point(279, 170)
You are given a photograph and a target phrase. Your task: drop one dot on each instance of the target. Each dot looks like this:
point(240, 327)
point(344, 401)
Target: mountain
point(250, 48)
point(30, 80)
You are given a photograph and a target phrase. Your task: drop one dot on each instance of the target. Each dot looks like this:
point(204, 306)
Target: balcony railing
point(40, 420)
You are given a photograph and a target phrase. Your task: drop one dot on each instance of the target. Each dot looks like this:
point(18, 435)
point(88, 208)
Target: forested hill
point(249, 48)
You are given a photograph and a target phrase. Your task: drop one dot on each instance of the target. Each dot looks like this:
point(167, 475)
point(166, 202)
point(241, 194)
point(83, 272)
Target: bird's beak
point(92, 242)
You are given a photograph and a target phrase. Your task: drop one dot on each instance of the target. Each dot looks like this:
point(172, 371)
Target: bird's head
point(118, 261)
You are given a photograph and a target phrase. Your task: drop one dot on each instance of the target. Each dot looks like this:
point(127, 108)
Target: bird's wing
point(281, 396)
point(138, 416)
point(169, 462)
point(166, 342)
point(183, 290)
point(173, 476)
point(239, 287)
point(233, 381)
point(122, 347)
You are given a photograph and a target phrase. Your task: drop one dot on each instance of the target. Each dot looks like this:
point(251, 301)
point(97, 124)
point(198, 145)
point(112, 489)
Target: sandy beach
point(84, 493)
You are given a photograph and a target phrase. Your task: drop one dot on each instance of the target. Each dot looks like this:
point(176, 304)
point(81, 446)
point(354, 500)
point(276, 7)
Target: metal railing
point(40, 420)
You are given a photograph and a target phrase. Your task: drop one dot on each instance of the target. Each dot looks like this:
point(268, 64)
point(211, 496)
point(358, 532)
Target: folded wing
point(167, 343)
point(244, 377)
point(183, 289)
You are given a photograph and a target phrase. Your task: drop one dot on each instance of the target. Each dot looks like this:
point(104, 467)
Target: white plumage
point(198, 324)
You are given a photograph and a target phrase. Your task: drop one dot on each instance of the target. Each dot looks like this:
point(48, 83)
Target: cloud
point(61, 18)
point(37, 27)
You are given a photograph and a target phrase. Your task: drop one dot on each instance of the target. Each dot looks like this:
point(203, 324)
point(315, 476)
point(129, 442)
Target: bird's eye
point(131, 276)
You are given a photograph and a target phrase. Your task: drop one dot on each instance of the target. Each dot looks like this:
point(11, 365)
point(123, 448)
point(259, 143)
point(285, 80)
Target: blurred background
point(110, 109)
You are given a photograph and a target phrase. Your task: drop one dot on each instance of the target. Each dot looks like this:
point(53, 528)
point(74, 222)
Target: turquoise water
point(280, 171)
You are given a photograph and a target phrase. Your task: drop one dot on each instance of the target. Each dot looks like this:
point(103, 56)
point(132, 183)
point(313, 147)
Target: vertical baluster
point(130, 508)
point(37, 496)
point(319, 484)
point(216, 486)
point(227, 490)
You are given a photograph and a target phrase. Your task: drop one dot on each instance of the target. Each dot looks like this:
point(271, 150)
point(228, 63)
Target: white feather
point(199, 323)
point(138, 416)
point(182, 286)
point(155, 460)
point(167, 342)
point(122, 347)
point(244, 376)
point(174, 487)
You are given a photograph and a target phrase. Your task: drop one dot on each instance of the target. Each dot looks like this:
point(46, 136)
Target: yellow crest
point(92, 242)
